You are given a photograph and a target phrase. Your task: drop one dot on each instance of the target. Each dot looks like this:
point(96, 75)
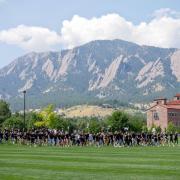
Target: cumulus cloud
point(30, 38)
point(81, 30)
point(163, 30)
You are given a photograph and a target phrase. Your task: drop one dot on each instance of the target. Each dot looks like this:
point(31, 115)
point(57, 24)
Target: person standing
point(1, 136)
point(176, 138)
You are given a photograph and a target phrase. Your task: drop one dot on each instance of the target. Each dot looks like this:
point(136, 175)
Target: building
point(163, 111)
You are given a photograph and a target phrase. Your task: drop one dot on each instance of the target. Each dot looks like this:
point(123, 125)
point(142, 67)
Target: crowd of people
point(47, 137)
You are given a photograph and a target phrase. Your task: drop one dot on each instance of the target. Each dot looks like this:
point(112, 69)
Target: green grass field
point(89, 163)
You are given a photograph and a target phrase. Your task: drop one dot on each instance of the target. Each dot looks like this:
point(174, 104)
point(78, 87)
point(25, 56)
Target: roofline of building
point(160, 99)
point(164, 106)
point(155, 106)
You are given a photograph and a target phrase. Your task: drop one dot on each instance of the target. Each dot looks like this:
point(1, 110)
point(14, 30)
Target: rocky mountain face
point(116, 70)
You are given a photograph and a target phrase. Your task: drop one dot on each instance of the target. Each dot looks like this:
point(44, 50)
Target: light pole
point(24, 92)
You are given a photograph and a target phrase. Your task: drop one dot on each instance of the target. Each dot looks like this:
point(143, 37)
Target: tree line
point(47, 118)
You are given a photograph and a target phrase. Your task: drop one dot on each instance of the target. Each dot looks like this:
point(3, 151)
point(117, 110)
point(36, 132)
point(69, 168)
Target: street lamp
point(24, 92)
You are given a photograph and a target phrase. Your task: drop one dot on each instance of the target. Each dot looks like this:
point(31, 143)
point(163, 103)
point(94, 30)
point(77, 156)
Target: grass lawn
point(22, 162)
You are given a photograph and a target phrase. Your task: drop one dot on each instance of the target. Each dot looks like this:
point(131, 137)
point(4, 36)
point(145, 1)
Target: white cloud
point(163, 31)
point(166, 12)
point(81, 30)
point(30, 38)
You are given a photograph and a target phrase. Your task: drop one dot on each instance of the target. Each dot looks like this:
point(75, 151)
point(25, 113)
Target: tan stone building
point(163, 111)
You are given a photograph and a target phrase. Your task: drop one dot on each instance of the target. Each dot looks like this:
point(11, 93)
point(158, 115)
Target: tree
point(144, 128)
point(136, 123)
point(117, 121)
point(58, 123)
point(15, 121)
point(94, 125)
point(5, 111)
point(81, 124)
point(46, 118)
point(171, 128)
point(158, 129)
point(31, 118)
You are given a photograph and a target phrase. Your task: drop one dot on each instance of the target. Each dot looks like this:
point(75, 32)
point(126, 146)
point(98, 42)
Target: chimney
point(161, 101)
point(177, 97)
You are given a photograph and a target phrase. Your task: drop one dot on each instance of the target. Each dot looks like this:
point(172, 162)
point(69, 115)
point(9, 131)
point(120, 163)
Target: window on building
point(172, 114)
point(156, 116)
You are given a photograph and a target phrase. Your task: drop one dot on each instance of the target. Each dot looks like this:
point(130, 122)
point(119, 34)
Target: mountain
point(97, 71)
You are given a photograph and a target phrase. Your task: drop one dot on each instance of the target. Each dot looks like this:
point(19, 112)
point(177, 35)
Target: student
point(171, 138)
point(55, 137)
point(33, 137)
point(90, 139)
point(15, 137)
point(40, 137)
point(6, 135)
point(1, 136)
point(138, 139)
point(51, 137)
point(12, 136)
point(176, 138)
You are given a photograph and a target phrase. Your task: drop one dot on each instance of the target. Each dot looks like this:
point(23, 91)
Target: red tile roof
point(175, 102)
point(173, 107)
point(169, 105)
point(172, 104)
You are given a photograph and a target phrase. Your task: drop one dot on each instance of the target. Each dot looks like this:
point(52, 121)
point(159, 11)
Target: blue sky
point(28, 25)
